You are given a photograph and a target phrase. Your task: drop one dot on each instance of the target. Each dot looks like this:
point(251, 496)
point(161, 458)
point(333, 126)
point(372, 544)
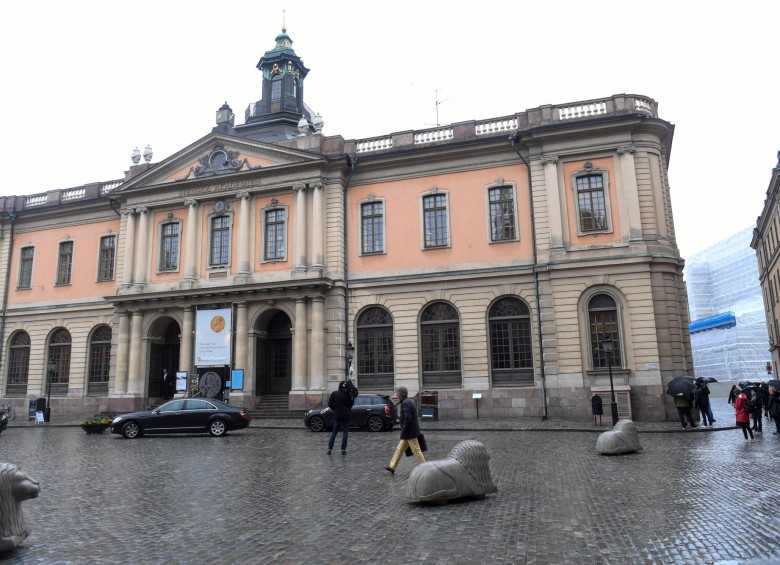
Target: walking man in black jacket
point(410, 430)
point(341, 402)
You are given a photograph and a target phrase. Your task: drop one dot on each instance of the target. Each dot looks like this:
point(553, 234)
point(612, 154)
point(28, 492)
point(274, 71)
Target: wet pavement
point(271, 495)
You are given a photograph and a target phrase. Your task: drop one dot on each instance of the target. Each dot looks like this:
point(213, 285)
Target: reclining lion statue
point(622, 438)
point(465, 473)
point(16, 486)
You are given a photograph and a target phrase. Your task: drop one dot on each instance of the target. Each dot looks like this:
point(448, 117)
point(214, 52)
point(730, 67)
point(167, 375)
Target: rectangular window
point(220, 241)
point(502, 213)
point(25, 267)
point(106, 259)
point(65, 262)
point(169, 247)
point(591, 204)
point(435, 220)
point(275, 235)
point(372, 227)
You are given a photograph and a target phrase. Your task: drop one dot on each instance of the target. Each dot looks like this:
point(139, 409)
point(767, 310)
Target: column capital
point(317, 185)
point(299, 186)
point(142, 209)
point(549, 159)
point(626, 149)
point(128, 212)
point(243, 195)
point(190, 202)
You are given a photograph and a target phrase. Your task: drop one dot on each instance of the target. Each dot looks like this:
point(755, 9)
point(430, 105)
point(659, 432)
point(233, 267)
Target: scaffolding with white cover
point(728, 329)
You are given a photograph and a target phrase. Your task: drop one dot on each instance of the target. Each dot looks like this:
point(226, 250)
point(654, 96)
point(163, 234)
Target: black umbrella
point(761, 392)
point(680, 385)
point(706, 379)
point(775, 383)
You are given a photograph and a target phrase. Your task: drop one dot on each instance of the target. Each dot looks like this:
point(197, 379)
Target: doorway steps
point(275, 406)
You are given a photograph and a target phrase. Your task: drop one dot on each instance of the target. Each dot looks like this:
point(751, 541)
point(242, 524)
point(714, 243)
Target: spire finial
point(284, 24)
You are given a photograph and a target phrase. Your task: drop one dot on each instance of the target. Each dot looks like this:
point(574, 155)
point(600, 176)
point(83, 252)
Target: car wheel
point(218, 428)
point(317, 424)
point(131, 430)
point(375, 424)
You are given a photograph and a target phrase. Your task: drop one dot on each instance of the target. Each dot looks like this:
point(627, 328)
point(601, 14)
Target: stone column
point(553, 197)
point(299, 245)
point(244, 237)
point(318, 218)
point(128, 266)
point(630, 192)
point(190, 251)
point(122, 353)
point(299, 346)
point(241, 337)
point(135, 365)
point(142, 251)
point(317, 360)
point(186, 353)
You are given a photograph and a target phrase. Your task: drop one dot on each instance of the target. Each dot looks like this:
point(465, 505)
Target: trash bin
point(429, 405)
point(40, 405)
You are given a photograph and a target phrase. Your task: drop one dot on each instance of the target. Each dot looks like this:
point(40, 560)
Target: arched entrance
point(274, 355)
point(165, 341)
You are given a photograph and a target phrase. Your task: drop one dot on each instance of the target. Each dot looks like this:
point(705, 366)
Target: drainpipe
point(351, 163)
point(12, 215)
point(515, 138)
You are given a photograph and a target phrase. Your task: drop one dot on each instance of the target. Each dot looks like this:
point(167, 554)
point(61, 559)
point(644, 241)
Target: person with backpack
point(774, 407)
point(743, 418)
point(755, 409)
point(683, 404)
point(341, 402)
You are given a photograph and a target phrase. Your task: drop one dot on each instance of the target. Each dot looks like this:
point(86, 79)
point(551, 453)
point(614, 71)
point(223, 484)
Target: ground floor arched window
point(603, 323)
point(511, 356)
point(375, 349)
point(58, 366)
point(99, 360)
point(18, 364)
point(440, 346)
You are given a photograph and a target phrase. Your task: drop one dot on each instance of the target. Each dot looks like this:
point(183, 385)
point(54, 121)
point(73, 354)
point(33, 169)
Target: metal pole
point(612, 389)
point(47, 415)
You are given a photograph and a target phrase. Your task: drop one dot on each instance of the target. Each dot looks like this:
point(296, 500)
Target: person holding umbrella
point(681, 389)
point(743, 418)
point(774, 407)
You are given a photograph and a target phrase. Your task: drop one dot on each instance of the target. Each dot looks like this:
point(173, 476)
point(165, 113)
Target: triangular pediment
point(218, 155)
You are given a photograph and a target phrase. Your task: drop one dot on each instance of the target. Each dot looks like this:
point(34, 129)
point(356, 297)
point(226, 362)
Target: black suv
point(373, 411)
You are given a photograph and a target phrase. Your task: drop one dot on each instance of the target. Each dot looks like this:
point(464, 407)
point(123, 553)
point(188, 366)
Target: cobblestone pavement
point(265, 495)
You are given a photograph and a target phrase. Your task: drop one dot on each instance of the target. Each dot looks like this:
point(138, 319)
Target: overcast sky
point(84, 82)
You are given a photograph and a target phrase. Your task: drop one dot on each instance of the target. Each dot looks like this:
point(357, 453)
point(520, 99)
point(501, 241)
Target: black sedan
point(373, 411)
point(182, 416)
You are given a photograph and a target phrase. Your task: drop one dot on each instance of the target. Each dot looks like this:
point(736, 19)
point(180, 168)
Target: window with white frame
point(106, 258)
point(169, 246)
point(372, 227)
point(220, 241)
point(65, 262)
point(26, 267)
point(592, 205)
point(603, 323)
point(435, 222)
point(501, 202)
point(275, 235)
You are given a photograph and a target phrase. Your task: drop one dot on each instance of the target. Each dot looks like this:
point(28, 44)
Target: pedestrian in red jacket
point(743, 418)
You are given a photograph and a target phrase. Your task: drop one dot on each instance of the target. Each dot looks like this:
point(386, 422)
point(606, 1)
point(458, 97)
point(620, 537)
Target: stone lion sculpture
point(465, 473)
point(16, 486)
point(622, 438)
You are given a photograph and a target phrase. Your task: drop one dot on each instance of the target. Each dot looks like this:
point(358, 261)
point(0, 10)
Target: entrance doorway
point(274, 357)
point(163, 353)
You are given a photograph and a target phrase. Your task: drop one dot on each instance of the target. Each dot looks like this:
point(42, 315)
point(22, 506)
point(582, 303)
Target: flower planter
point(94, 428)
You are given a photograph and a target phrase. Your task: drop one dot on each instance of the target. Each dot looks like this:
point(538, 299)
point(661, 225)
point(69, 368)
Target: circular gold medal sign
point(217, 324)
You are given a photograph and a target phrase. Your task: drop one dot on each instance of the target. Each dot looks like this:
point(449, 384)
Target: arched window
point(276, 93)
point(603, 322)
point(99, 360)
point(58, 366)
point(18, 364)
point(511, 356)
point(375, 349)
point(440, 346)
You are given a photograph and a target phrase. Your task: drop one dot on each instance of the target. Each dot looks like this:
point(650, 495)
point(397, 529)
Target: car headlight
point(117, 419)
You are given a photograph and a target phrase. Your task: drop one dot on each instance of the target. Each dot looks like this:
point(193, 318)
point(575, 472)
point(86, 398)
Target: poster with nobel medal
point(212, 337)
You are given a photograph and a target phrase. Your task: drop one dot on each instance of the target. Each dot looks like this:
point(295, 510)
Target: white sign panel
point(212, 337)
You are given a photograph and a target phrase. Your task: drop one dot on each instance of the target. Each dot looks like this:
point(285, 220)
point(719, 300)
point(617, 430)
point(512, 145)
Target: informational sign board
point(213, 337)
point(181, 380)
point(237, 379)
point(39, 417)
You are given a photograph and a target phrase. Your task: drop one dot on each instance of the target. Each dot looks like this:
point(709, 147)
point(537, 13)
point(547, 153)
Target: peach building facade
point(490, 257)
